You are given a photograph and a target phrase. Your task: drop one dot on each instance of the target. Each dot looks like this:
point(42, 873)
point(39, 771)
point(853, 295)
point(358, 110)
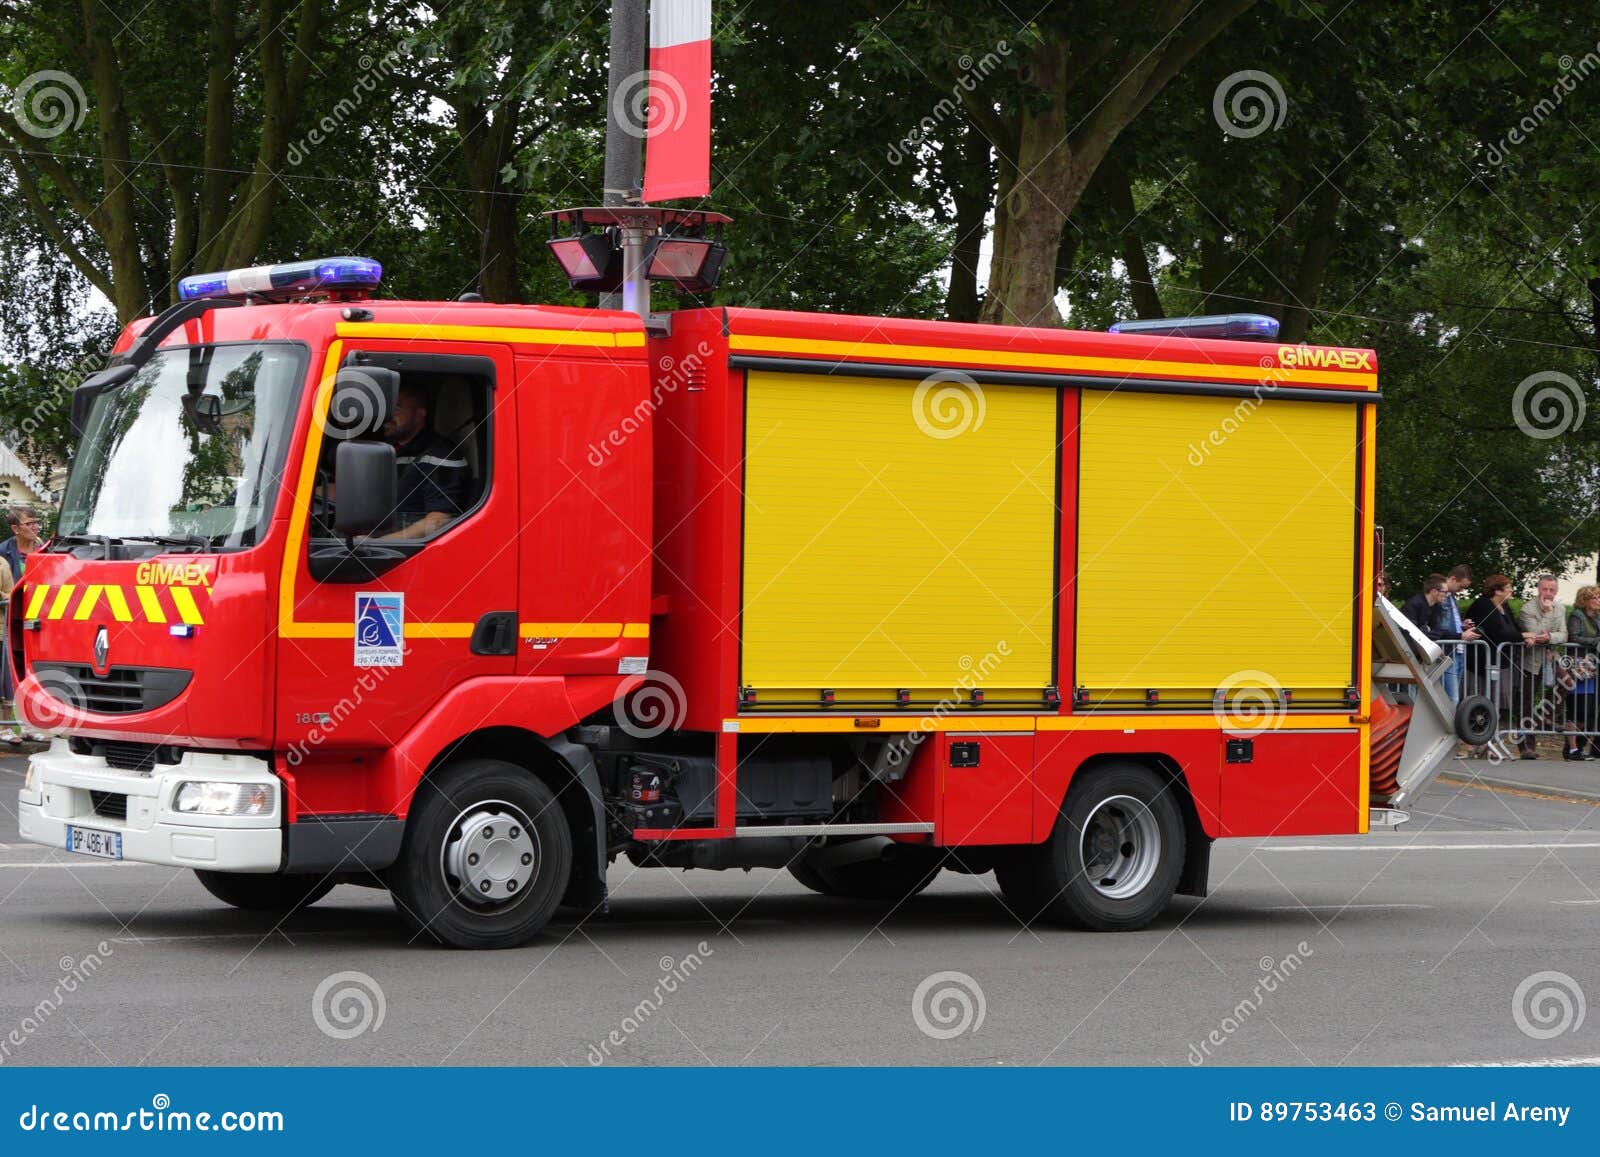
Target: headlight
point(212, 798)
point(30, 778)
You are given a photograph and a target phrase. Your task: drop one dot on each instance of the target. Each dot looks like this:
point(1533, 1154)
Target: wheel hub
point(491, 855)
point(1121, 847)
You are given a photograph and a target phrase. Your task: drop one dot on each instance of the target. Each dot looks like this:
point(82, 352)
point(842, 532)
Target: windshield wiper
point(187, 541)
point(104, 542)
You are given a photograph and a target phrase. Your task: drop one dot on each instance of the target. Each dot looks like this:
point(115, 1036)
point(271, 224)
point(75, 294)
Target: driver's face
point(407, 419)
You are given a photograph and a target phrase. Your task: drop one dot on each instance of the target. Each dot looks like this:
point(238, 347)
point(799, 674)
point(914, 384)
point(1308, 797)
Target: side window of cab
point(440, 429)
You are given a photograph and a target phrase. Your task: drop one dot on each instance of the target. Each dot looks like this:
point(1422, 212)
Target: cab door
point(361, 662)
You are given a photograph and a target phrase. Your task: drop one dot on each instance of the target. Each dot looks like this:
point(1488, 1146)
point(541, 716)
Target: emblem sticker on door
point(380, 629)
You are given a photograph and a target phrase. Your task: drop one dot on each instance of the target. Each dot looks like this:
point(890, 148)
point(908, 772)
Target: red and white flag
point(677, 154)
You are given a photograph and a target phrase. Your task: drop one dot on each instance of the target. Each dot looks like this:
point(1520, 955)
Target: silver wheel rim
point(1120, 847)
point(490, 856)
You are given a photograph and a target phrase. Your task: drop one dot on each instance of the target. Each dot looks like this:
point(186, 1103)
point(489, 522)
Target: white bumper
point(61, 790)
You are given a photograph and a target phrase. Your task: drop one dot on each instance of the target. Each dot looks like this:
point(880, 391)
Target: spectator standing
point(1583, 633)
point(1544, 622)
point(1503, 664)
point(25, 525)
point(1453, 626)
point(1422, 607)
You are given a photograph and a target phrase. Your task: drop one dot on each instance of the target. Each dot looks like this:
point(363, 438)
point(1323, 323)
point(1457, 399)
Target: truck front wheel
point(257, 893)
point(486, 857)
point(1113, 860)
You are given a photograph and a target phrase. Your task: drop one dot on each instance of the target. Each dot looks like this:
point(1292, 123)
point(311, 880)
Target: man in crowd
point(1543, 622)
point(1449, 626)
point(1421, 608)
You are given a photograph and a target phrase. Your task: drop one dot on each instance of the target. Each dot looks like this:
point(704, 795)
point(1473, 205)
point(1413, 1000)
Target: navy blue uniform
point(432, 478)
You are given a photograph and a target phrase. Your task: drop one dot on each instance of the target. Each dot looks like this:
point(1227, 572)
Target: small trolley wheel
point(486, 857)
point(264, 893)
point(1475, 720)
point(1113, 860)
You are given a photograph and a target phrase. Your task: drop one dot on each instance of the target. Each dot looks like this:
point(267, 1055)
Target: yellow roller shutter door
point(1216, 546)
point(884, 553)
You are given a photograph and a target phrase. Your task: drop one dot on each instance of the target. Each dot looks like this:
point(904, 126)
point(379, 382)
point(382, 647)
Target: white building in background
point(1581, 574)
point(19, 485)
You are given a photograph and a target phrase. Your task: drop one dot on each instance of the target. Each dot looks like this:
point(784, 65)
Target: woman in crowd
point(1583, 633)
point(1492, 618)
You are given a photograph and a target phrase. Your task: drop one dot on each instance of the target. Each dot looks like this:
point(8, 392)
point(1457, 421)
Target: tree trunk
point(972, 190)
point(1313, 264)
point(115, 218)
point(1119, 201)
point(1029, 217)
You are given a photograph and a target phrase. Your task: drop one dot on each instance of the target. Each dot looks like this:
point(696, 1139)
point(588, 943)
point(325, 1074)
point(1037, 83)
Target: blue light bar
point(290, 279)
point(1239, 326)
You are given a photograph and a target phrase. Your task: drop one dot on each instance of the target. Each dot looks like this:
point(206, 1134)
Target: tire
point(1475, 720)
point(1113, 860)
point(486, 857)
point(258, 893)
point(878, 881)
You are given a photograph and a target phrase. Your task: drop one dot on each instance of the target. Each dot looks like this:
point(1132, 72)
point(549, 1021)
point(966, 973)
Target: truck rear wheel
point(486, 857)
point(258, 893)
point(1113, 860)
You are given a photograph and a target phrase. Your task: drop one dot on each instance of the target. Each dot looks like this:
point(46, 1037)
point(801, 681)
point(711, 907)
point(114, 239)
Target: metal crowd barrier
point(1545, 689)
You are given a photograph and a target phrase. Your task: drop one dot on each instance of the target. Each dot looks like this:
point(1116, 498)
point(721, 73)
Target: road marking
point(1541, 1063)
point(1575, 901)
point(73, 864)
point(1343, 907)
point(1388, 847)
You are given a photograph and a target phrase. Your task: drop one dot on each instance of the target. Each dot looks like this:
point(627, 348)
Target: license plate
point(93, 842)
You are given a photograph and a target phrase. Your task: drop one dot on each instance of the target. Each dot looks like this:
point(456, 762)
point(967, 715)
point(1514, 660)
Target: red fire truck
point(862, 598)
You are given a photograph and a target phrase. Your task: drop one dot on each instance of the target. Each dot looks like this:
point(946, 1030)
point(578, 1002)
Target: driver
point(431, 487)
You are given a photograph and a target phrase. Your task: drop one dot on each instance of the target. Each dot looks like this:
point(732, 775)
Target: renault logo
point(102, 648)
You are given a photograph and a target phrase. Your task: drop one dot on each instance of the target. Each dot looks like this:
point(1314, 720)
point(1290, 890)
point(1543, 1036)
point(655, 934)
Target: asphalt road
point(1399, 948)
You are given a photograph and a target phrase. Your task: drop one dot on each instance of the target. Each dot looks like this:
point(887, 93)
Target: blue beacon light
point(289, 279)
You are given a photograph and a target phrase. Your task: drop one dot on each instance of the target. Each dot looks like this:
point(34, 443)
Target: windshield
point(189, 448)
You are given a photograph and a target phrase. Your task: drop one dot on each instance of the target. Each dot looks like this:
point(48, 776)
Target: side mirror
point(363, 399)
point(364, 474)
point(91, 388)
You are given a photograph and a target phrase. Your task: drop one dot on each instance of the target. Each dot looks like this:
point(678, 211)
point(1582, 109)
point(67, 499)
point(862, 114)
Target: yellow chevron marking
point(91, 596)
point(150, 604)
point(63, 597)
point(118, 602)
point(183, 599)
point(36, 602)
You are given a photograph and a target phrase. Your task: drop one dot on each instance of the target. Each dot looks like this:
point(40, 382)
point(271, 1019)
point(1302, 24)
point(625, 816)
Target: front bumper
point(64, 789)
